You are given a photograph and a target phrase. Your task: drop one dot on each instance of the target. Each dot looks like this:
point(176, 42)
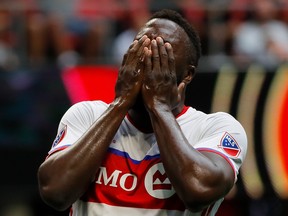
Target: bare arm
point(198, 178)
point(66, 175)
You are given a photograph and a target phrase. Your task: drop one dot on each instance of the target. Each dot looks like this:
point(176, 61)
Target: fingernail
point(147, 41)
point(168, 45)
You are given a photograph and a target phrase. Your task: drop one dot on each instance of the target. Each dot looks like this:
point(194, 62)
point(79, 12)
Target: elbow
point(195, 205)
point(201, 193)
point(52, 199)
point(51, 195)
point(196, 199)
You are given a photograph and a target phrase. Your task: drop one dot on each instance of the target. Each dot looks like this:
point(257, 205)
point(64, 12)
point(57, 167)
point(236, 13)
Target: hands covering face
point(148, 68)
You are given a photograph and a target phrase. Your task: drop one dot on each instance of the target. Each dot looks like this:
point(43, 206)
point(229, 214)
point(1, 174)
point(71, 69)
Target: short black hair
point(174, 16)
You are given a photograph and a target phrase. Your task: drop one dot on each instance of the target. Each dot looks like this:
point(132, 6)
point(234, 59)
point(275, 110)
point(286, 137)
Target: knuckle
point(133, 50)
point(139, 54)
point(171, 59)
point(164, 55)
point(156, 58)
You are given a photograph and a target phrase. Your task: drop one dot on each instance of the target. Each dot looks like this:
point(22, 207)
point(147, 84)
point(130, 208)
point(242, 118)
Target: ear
point(189, 74)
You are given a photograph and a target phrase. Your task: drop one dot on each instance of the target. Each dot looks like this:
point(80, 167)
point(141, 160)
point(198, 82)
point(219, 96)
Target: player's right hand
point(130, 76)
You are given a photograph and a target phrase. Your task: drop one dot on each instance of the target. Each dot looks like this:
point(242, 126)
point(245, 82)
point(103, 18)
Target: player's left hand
point(160, 82)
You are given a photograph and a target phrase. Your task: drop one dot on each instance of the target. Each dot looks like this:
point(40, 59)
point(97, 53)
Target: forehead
point(167, 29)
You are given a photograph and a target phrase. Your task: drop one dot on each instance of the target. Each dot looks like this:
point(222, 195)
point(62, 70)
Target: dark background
point(29, 120)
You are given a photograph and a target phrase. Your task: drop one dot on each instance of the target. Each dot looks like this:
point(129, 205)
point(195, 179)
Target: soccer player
point(145, 153)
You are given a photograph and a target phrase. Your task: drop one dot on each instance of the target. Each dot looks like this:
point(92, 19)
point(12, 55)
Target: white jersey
point(132, 179)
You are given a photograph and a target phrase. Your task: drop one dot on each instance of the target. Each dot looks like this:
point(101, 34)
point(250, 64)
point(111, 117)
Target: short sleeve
point(226, 137)
point(75, 122)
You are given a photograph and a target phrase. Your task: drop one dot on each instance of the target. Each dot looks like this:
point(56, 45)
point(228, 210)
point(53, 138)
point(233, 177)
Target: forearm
point(194, 176)
point(65, 176)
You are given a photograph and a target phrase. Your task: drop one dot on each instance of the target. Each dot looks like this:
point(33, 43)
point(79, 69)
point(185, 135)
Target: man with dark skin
point(151, 90)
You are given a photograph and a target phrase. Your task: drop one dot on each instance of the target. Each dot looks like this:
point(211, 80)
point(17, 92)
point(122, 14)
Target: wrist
point(121, 103)
point(164, 108)
point(158, 107)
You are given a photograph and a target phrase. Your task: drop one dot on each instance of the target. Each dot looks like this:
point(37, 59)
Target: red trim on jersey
point(184, 110)
point(222, 155)
point(144, 130)
point(120, 173)
point(56, 150)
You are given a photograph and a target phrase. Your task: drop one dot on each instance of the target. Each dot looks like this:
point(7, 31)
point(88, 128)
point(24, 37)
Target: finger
point(162, 53)
point(139, 47)
point(135, 53)
point(155, 55)
point(147, 60)
point(134, 47)
point(126, 56)
point(133, 44)
point(141, 64)
point(171, 59)
point(144, 47)
point(124, 59)
point(140, 56)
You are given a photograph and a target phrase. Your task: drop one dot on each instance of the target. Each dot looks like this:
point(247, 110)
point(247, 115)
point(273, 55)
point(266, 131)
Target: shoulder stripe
point(222, 155)
point(52, 151)
point(126, 155)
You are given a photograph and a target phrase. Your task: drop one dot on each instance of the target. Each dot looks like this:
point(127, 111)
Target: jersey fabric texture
point(132, 179)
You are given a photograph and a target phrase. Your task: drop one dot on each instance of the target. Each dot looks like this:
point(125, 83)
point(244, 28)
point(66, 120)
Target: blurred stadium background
point(56, 53)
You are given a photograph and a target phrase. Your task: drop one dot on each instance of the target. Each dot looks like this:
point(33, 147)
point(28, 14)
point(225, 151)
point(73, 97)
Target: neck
point(141, 120)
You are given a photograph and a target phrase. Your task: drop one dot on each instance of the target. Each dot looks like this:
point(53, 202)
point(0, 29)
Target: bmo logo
point(157, 183)
point(126, 181)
